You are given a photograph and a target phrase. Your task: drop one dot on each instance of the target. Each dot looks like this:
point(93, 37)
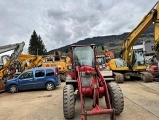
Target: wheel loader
point(85, 80)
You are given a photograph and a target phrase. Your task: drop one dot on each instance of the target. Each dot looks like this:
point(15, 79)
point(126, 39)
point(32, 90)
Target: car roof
point(41, 68)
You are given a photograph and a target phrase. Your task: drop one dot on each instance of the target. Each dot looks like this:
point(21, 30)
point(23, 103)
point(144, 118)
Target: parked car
point(35, 78)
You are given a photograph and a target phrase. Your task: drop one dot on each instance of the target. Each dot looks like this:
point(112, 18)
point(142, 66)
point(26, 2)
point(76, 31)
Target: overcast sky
point(62, 22)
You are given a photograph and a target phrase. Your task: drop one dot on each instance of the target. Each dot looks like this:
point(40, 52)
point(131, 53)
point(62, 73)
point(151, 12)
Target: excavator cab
point(57, 55)
point(140, 58)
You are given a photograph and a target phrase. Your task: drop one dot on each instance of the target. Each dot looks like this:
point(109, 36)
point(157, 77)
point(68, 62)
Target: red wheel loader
point(86, 80)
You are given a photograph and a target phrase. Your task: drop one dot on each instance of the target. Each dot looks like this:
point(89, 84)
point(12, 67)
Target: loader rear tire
point(116, 97)
point(68, 102)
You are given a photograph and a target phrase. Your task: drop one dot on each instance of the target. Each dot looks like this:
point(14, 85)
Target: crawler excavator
point(10, 61)
point(133, 62)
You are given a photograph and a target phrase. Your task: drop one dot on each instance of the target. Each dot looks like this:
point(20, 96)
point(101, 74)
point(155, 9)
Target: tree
point(42, 50)
point(36, 45)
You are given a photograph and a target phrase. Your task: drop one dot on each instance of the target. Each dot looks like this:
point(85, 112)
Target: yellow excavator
point(9, 61)
point(133, 62)
point(57, 60)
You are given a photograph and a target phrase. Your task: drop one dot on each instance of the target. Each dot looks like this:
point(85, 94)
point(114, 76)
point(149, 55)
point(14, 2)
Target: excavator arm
point(151, 17)
point(18, 48)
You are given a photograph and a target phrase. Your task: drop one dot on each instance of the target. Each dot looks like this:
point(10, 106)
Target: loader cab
point(83, 55)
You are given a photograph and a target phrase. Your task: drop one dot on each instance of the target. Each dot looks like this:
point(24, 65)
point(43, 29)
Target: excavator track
point(119, 78)
point(146, 76)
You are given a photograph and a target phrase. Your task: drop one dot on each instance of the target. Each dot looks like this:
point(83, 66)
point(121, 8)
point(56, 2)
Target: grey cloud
point(92, 18)
point(63, 22)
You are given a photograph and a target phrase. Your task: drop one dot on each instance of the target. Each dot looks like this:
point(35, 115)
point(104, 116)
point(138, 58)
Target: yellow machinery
point(10, 61)
point(30, 61)
point(135, 59)
point(57, 60)
point(66, 59)
point(118, 66)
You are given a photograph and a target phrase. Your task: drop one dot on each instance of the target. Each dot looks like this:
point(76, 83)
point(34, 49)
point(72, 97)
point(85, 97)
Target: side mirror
point(103, 65)
point(69, 67)
point(102, 47)
point(66, 50)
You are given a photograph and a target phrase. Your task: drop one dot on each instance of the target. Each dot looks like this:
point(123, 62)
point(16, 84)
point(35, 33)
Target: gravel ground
point(141, 103)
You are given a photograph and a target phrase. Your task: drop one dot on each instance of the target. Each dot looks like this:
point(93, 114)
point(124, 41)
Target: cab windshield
point(120, 63)
point(140, 58)
point(83, 56)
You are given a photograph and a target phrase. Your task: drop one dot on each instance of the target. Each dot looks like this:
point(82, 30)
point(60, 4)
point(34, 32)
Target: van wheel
point(50, 86)
point(13, 89)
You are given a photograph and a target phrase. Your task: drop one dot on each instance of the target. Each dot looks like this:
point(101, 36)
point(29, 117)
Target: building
point(147, 49)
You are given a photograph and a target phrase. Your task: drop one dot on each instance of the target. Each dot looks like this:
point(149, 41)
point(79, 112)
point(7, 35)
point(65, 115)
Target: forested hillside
point(112, 42)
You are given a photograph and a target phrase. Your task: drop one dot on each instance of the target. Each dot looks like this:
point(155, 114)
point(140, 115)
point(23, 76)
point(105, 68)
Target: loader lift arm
point(151, 17)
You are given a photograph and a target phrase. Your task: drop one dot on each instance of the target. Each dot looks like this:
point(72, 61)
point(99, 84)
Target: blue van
point(35, 78)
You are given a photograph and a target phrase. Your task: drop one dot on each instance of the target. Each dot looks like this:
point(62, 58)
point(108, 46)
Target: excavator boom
point(151, 17)
point(6, 48)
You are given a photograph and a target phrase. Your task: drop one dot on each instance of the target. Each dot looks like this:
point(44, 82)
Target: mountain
point(112, 40)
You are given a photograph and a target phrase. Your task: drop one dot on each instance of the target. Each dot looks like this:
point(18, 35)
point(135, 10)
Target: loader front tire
point(116, 97)
point(68, 102)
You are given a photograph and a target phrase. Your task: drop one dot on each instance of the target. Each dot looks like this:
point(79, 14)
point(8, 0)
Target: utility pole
point(37, 52)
